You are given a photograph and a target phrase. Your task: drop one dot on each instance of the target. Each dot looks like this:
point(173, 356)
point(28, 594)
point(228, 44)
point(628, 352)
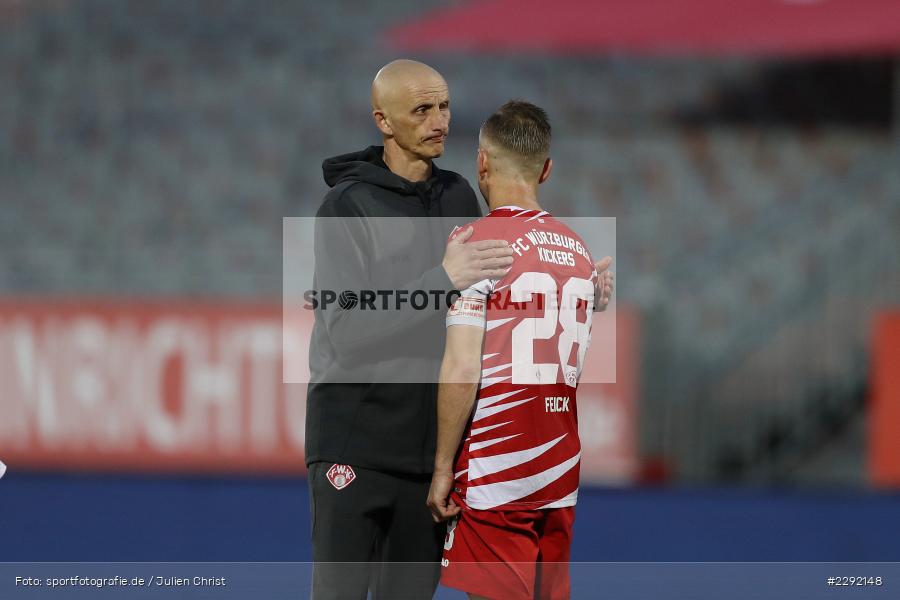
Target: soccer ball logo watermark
point(348, 300)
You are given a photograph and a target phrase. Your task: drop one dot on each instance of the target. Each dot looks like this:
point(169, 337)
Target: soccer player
point(507, 460)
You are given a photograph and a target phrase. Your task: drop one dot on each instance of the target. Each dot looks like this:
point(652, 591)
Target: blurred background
point(749, 150)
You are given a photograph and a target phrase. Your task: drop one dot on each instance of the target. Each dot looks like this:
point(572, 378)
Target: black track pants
point(376, 531)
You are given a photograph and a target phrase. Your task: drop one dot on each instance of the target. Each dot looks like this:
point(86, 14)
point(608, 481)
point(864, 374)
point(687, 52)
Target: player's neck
point(518, 194)
point(406, 165)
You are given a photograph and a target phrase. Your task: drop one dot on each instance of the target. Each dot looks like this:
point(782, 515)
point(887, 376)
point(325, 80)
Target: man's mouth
point(437, 139)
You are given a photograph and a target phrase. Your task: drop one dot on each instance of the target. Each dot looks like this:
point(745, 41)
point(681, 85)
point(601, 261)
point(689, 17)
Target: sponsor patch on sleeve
point(467, 310)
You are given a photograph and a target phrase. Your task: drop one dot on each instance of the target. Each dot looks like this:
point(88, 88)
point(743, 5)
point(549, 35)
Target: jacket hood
point(368, 166)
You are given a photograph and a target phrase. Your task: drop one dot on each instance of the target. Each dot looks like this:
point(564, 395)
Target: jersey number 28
point(558, 309)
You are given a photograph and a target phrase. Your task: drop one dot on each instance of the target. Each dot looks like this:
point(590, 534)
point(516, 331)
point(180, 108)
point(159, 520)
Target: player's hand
point(606, 284)
point(466, 264)
point(439, 503)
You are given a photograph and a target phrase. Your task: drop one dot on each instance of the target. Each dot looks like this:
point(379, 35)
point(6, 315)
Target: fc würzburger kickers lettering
point(550, 238)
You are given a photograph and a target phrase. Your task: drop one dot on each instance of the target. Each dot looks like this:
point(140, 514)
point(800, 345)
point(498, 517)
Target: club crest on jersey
point(340, 476)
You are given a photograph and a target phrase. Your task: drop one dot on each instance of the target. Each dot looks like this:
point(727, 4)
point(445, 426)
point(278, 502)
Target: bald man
point(411, 107)
point(370, 430)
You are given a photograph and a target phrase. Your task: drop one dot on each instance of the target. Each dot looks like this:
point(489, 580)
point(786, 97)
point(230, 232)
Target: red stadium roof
point(711, 27)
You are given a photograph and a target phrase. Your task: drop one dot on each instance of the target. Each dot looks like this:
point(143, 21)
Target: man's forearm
point(456, 395)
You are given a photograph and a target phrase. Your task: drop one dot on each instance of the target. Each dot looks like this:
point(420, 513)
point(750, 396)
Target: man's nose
point(439, 121)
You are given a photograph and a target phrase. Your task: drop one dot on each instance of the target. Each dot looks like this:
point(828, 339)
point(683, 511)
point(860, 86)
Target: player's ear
point(381, 122)
point(482, 163)
point(545, 173)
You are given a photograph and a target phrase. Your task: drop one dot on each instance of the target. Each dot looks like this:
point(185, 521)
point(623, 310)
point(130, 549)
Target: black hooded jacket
point(372, 395)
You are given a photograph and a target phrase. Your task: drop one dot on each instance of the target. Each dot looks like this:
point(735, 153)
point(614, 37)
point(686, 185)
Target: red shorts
point(510, 554)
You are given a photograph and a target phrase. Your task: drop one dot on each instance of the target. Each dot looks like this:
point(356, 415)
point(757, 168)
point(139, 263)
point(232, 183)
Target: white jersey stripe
point(489, 381)
point(492, 495)
point(481, 430)
point(486, 372)
point(569, 500)
point(485, 402)
point(479, 445)
point(479, 467)
point(486, 412)
point(498, 322)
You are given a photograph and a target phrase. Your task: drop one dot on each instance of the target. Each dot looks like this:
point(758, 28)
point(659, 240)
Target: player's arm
point(460, 374)
point(458, 385)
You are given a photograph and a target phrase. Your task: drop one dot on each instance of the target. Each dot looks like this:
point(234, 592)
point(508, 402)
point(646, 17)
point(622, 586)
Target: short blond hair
point(520, 130)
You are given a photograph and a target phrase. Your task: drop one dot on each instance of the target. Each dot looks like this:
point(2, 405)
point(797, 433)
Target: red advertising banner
point(884, 408)
point(607, 412)
point(147, 386)
point(167, 386)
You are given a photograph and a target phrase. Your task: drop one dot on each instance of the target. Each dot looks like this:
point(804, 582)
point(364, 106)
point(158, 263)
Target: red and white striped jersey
point(521, 449)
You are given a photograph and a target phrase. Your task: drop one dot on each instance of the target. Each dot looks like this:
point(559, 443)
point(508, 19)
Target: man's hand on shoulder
point(606, 284)
point(468, 263)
